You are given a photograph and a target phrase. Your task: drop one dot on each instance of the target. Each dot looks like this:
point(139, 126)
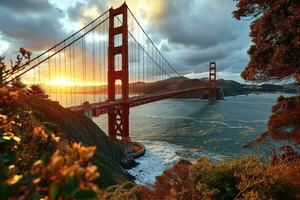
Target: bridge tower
point(118, 116)
point(212, 81)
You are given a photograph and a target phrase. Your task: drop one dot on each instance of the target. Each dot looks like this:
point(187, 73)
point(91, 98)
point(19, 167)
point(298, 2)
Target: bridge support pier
point(87, 110)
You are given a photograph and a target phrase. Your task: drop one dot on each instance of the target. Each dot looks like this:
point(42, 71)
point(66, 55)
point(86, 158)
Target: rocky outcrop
point(77, 128)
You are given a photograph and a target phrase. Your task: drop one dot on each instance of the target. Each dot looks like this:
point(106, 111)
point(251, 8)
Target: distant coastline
point(225, 88)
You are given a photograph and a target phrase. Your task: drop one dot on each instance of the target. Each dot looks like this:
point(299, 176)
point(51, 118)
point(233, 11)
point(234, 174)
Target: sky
point(189, 33)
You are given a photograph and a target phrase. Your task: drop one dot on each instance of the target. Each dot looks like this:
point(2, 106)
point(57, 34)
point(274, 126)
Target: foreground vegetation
point(245, 178)
point(36, 162)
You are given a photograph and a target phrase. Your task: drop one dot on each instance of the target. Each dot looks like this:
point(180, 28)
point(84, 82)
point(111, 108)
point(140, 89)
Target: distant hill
point(225, 87)
point(286, 88)
point(232, 88)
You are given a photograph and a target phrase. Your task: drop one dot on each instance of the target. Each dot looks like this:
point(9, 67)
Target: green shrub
point(246, 178)
point(125, 191)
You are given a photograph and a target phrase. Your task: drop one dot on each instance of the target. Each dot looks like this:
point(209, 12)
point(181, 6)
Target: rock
point(78, 128)
point(128, 163)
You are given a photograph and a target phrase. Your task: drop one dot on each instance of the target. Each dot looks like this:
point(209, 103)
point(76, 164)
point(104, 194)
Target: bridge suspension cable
point(36, 61)
point(146, 62)
point(151, 41)
point(108, 66)
point(76, 69)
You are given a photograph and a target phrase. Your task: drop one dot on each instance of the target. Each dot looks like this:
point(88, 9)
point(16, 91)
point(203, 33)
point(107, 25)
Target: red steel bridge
point(106, 67)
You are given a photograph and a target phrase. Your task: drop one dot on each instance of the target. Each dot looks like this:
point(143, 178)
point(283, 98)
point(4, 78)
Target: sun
point(59, 81)
point(68, 82)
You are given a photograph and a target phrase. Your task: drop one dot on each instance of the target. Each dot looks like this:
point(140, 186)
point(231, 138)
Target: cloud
point(84, 12)
point(26, 6)
point(197, 22)
point(32, 24)
point(190, 34)
point(200, 31)
point(4, 46)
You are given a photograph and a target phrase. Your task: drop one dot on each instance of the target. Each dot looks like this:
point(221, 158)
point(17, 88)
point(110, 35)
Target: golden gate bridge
point(112, 58)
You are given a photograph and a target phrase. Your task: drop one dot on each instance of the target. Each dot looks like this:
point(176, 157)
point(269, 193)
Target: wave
point(160, 156)
point(168, 117)
point(210, 121)
point(199, 120)
point(245, 121)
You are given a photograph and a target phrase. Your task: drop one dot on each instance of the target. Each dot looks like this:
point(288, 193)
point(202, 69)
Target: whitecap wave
point(160, 156)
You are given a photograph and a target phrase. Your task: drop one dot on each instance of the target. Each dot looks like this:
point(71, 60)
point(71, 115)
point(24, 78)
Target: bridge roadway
point(100, 108)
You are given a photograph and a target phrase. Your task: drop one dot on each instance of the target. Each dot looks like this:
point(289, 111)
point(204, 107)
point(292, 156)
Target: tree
point(284, 124)
point(22, 60)
point(246, 178)
point(37, 90)
point(275, 33)
point(275, 55)
point(17, 84)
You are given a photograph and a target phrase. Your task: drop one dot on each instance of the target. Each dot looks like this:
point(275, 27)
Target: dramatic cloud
point(189, 33)
point(205, 31)
point(26, 6)
point(32, 24)
point(198, 23)
point(86, 11)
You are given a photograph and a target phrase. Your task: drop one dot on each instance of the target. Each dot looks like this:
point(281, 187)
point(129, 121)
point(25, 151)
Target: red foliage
point(275, 32)
point(284, 124)
point(174, 183)
point(247, 178)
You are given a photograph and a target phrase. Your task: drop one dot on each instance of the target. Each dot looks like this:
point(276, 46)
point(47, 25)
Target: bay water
point(190, 128)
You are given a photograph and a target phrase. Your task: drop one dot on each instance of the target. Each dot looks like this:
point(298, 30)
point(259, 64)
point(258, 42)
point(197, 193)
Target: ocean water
point(189, 128)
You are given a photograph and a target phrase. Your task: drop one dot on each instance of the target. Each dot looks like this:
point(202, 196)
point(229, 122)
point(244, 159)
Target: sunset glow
point(61, 82)
point(67, 82)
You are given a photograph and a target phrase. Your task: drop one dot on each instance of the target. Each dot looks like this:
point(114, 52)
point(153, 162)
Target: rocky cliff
point(78, 128)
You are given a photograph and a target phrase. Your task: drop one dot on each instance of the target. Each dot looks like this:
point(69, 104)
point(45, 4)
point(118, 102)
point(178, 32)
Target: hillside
point(78, 128)
point(226, 87)
point(229, 87)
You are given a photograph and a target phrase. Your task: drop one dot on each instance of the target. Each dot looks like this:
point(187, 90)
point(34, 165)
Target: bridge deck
point(103, 107)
